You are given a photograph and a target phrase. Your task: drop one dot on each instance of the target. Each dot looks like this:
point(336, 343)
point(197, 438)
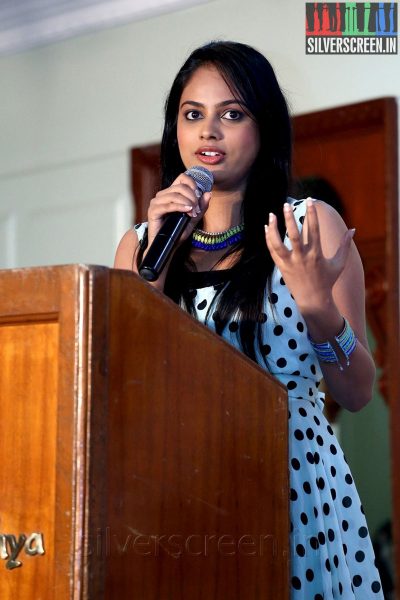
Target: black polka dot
point(293, 495)
point(316, 458)
point(333, 493)
point(291, 385)
point(266, 349)
point(273, 298)
point(333, 449)
point(347, 501)
point(331, 535)
point(329, 429)
point(317, 421)
point(292, 344)
point(302, 412)
point(321, 538)
point(202, 305)
point(320, 441)
point(310, 392)
point(345, 525)
point(296, 583)
point(318, 597)
point(300, 550)
point(301, 219)
point(336, 561)
point(344, 549)
point(357, 580)
point(303, 357)
point(340, 588)
point(307, 487)
point(234, 326)
point(333, 471)
point(309, 433)
point(348, 479)
point(304, 518)
point(309, 574)
point(299, 435)
point(326, 508)
point(295, 464)
point(328, 565)
point(362, 509)
point(320, 483)
point(300, 327)
point(314, 543)
point(288, 312)
point(278, 330)
point(376, 587)
point(137, 226)
point(315, 512)
point(282, 281)
point(310, 458)
point(262, 318)
point(313, 369)
point(281, 362)
point(363, 532)
point(296, 374)
point(359, 555)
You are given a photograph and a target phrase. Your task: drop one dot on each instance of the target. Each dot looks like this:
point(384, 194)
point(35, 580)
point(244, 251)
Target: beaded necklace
point(206, 240)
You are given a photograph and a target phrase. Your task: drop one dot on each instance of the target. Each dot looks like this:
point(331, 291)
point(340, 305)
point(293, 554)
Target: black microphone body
point(171, 230)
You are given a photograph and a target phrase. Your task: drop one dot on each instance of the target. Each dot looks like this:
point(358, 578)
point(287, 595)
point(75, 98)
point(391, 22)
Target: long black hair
point(252, 80)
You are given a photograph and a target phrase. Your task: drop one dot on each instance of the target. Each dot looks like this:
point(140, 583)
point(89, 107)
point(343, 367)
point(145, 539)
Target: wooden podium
point(142, 457)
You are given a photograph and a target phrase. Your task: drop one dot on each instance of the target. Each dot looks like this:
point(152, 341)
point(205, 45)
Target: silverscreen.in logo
point(351, 28)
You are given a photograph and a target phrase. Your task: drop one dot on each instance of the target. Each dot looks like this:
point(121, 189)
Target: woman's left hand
point(309, 275)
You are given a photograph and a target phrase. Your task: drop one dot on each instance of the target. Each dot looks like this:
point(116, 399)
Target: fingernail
point(266, 228)
point(309, 202)
point(271, 218)
point(197, 193)
point(352, 232)
point(198, 210)
point(188, 207)
point(287, 207)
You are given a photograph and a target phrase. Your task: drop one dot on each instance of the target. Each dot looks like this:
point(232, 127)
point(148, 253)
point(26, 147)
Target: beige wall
point(97, 95)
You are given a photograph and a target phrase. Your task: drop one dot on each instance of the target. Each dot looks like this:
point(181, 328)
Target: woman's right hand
point(182, 196)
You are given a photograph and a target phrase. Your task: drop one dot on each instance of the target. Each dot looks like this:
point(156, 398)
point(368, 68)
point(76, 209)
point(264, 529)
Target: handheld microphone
point(171, 230)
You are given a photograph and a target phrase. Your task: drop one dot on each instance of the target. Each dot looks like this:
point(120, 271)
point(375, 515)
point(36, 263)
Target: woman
point(290, 295)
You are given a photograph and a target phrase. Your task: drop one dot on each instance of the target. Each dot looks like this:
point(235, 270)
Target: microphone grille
point(203, 178)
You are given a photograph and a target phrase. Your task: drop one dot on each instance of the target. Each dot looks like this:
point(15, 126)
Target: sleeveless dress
point(331, 551)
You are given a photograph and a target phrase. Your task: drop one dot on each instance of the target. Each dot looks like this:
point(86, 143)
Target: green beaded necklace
point(206, 240)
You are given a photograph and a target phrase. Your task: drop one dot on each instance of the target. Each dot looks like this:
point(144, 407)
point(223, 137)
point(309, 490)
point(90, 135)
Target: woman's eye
point(192, 115)
point(233, 115)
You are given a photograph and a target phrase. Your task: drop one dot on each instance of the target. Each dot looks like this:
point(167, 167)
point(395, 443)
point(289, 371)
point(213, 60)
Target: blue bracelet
point(346, 340)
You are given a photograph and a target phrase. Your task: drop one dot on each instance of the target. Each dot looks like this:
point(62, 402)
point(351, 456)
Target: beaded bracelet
point(346, 341)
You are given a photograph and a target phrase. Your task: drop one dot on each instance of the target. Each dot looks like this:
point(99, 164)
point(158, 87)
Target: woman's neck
point(223, 212)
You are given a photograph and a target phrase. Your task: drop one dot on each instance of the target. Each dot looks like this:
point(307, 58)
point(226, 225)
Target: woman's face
point(214, 131)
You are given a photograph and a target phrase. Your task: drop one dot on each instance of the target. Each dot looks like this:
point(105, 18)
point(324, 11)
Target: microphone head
point(203, 178)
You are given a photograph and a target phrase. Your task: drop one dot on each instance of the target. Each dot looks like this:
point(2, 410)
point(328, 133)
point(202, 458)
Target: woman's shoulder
point(124, 257)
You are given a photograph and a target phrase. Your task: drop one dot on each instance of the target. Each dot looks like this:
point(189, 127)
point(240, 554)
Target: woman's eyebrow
point(219, 105)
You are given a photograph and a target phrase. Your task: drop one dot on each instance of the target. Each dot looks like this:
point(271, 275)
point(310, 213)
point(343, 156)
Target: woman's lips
point(210, 156)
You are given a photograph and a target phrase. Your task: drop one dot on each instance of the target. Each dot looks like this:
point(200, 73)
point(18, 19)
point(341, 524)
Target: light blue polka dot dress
point(331, 551)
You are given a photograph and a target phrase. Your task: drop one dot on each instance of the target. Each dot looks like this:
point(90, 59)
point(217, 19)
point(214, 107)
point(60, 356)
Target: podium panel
point(143, 457)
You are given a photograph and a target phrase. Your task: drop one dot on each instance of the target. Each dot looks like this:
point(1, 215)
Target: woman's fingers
point(273, 239)
point(342, 253)
point(313, 233)
point(291, 227)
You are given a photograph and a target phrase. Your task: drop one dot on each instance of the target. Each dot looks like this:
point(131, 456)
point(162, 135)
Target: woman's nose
point(211, 129)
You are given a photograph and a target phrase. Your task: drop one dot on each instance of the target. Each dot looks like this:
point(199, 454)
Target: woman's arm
point(325, 276)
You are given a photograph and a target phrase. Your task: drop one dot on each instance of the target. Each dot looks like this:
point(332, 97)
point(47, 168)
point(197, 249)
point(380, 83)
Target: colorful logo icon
point(351, 28)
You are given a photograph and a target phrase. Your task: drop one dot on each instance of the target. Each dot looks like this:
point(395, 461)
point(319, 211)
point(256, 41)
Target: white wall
point(70, 111)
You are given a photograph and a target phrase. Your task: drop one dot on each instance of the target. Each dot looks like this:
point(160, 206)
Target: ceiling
point(25, 24)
